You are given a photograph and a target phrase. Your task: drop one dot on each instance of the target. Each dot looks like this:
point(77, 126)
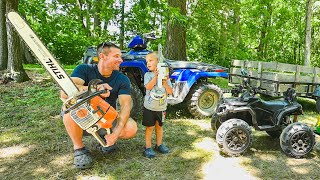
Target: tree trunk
point(123, 2)
point(27, 57)
point(223, 35)
point(3, 37)
point(15, 67)
point(236, 22)
point(96, 18)
point(308, 40)
point(262, 48)
point(176, 34)
point(79, 5)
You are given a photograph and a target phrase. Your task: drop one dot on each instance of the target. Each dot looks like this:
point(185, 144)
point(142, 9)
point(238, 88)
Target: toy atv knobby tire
point(203, 99)
point(297, 140)
point(234, 137)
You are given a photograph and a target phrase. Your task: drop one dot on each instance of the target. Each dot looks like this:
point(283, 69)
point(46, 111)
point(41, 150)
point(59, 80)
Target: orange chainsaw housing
point(105, 112)
point(110, 114)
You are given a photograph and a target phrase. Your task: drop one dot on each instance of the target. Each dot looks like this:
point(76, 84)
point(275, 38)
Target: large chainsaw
point(87, 109)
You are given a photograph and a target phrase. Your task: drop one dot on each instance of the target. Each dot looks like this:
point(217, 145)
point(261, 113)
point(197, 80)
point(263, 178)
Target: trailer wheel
point(234, 136)
point(203, 99)
point(136, 103)
point(297, 140)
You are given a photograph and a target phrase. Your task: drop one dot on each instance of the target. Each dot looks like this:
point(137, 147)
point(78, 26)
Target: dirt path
point(219, 166)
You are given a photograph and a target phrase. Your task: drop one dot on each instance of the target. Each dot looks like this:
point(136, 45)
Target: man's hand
point(111, 139)
point(104, 86)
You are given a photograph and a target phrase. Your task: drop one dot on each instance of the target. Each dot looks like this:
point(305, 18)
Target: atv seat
point(235, 102)
point(273, 105)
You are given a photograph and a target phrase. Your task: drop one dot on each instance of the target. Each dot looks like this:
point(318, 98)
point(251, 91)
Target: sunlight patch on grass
point(203, 124)
point(13, 151)
point(225, 168)
point(309, 119)
point(191, 133)
point(8, 137)
point(92, 177)
point(3, 169)
point(301, 170)
point(60, 161)
point(40, 170)
point(206, 144)
point(267, 157)
point(292, 161)
point(192, 154)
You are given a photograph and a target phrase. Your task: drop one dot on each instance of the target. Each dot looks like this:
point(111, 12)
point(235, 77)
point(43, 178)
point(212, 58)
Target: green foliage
point(217, 31)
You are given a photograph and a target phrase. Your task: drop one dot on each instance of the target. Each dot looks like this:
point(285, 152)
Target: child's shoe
point(149, 153)
point(162, 149)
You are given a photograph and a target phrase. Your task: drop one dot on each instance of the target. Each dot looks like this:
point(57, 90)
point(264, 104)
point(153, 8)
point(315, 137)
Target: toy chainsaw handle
point(84, 100)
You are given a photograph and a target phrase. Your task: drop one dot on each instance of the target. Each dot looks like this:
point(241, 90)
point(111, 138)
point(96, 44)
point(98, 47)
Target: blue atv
point(189, 79)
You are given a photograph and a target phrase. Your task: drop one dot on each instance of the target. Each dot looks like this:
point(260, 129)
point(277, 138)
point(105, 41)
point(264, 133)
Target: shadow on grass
point(35, 145)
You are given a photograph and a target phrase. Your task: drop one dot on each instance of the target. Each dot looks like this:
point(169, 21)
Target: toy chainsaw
point(87, 109)
point(163, 70)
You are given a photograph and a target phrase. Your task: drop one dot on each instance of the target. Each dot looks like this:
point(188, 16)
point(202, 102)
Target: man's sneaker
point(162, 149)
point(149, 153)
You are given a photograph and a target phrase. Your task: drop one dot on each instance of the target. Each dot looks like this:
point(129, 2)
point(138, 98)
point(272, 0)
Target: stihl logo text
point(54, 69)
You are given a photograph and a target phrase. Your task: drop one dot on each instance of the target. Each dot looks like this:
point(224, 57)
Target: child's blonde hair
point(153, 54)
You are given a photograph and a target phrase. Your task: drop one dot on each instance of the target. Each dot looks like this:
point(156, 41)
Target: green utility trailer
point(274, 78)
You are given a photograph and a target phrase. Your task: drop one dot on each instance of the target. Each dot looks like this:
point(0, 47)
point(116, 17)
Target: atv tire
point(137, 103)
point(297, 140)
point(203, 100)
point(234, 136)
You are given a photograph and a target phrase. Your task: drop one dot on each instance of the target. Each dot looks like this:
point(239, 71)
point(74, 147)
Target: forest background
point(194, 30)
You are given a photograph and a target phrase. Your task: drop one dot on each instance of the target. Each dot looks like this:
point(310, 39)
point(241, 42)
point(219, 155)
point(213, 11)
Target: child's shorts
point(150, 117)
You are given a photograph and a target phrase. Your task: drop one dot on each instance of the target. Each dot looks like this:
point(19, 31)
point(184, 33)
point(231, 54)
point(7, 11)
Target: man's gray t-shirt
point(151, 103)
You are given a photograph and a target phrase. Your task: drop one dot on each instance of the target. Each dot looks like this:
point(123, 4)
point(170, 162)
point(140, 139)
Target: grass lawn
point(35, 145)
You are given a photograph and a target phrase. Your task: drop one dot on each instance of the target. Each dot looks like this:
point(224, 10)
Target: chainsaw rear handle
point(84, 100)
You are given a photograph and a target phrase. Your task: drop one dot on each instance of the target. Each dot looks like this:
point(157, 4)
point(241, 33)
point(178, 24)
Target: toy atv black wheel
point(203, 99)
point(234, 137)
point(215, 123)
point(137, 103)
point(297, 140)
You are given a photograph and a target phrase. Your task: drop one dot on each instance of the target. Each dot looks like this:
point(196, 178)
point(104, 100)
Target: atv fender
point(242, 109)
point(136, 64)
point(295, 109)
point(186, 78)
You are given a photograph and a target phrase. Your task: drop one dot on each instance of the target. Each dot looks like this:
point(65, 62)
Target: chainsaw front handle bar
point(84, 100)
